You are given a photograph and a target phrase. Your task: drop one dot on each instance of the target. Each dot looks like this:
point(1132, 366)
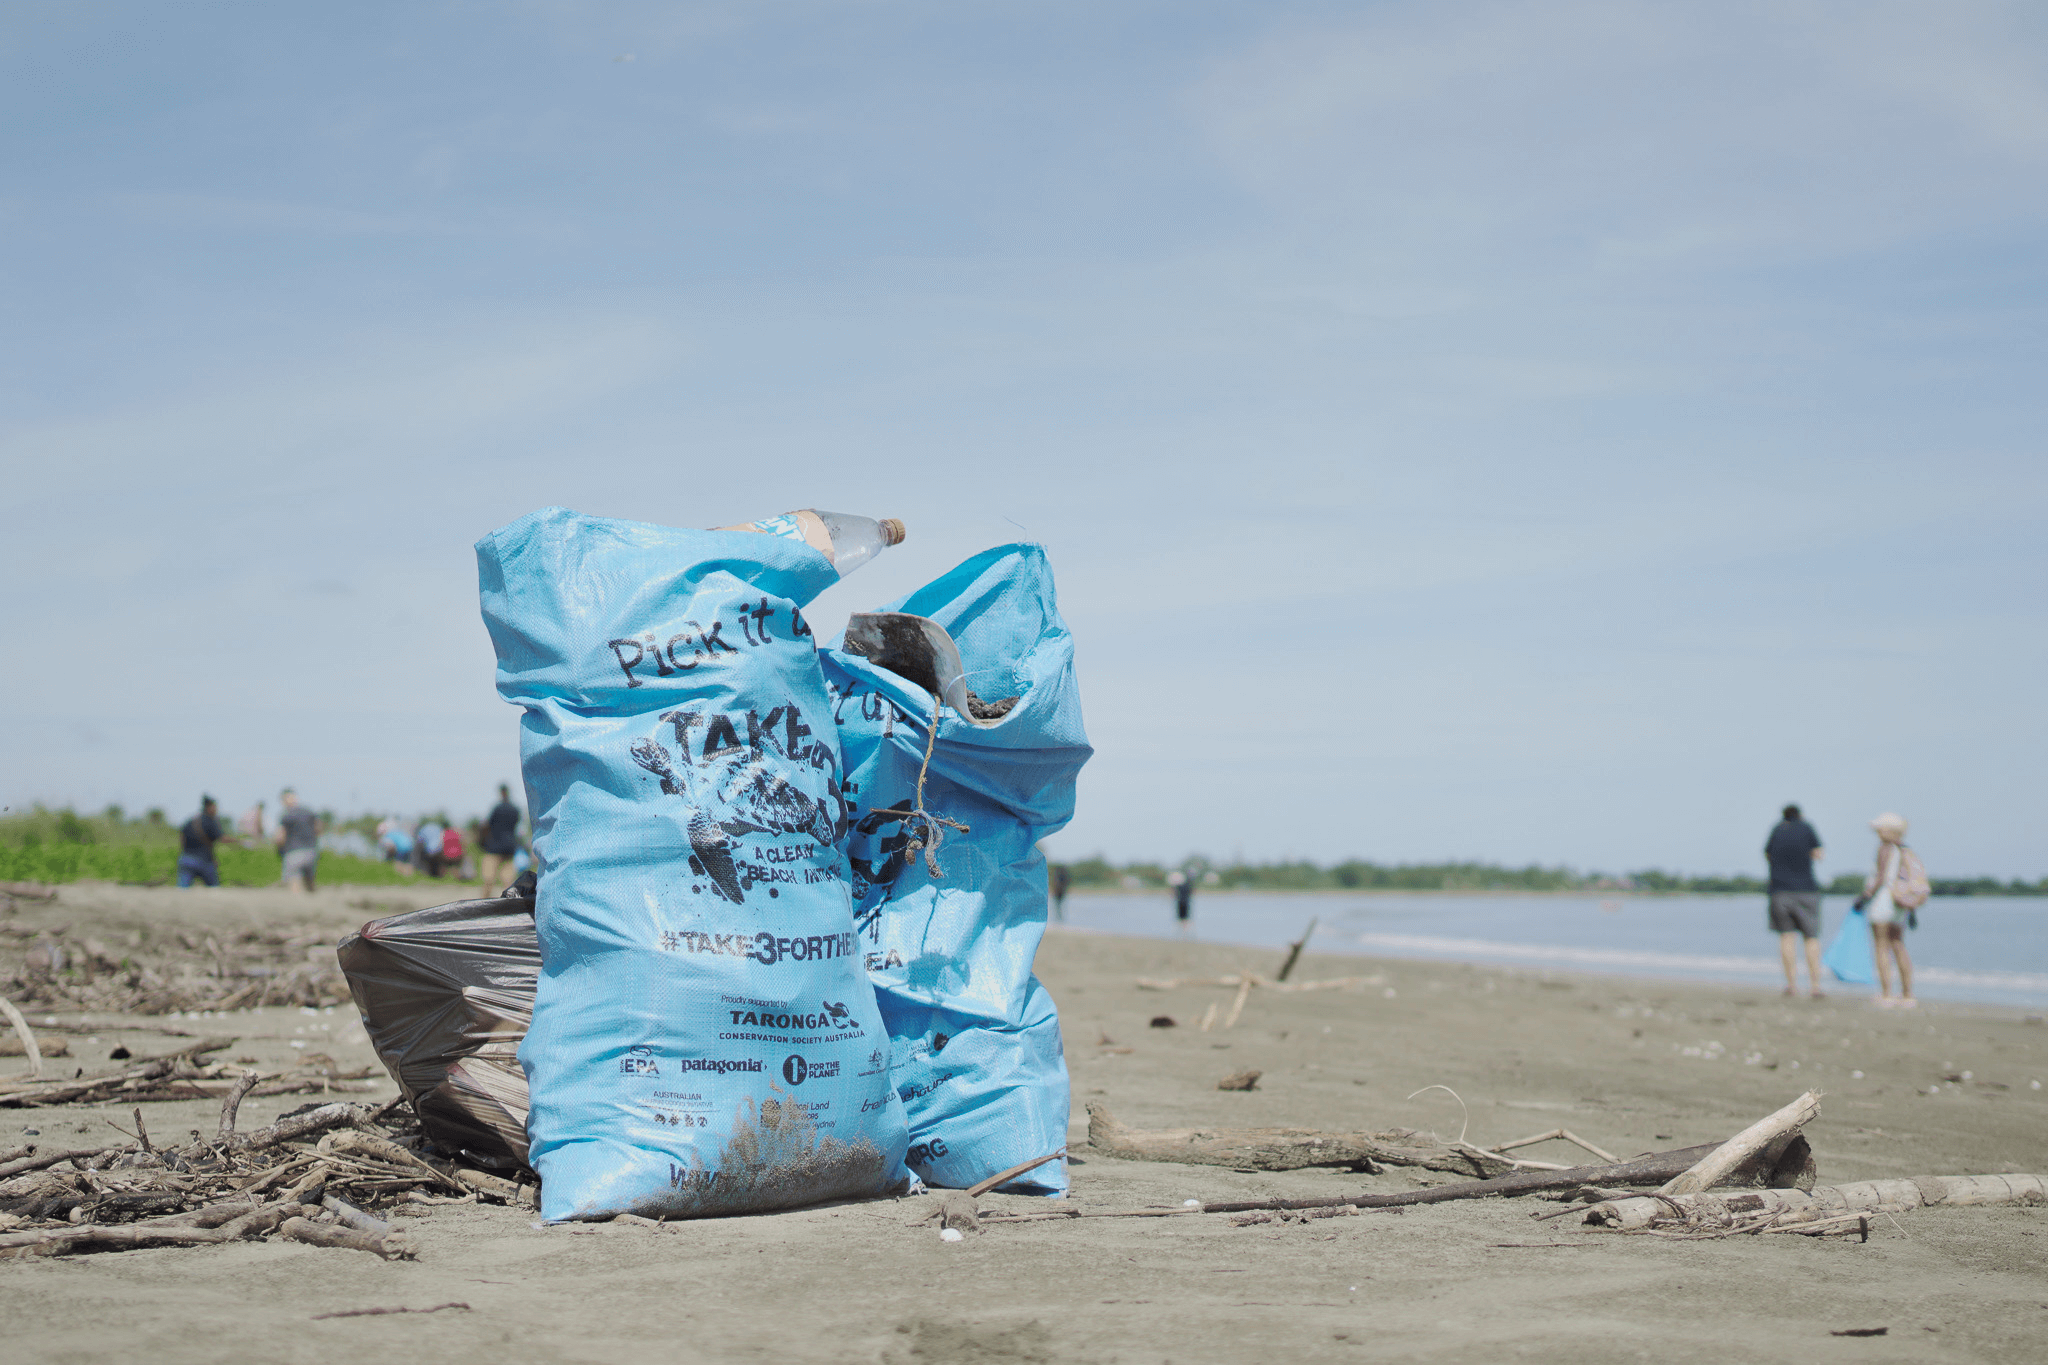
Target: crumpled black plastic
point(446, 994)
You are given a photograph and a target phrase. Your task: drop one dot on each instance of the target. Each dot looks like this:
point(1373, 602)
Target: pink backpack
point(1910, 888)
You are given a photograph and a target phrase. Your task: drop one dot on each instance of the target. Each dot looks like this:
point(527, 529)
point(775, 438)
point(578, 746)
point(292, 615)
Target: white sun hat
point(1890, 823)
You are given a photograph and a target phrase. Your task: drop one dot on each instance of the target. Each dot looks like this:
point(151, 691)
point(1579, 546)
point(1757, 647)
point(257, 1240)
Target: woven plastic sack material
point(445, 995)
point(704, 1040)
point(1851, 956)
point(950, 920)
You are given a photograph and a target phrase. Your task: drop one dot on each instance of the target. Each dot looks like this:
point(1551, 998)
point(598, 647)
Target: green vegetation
point(41, 845)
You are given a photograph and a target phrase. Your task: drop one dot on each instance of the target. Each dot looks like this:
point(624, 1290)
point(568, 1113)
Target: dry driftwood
point(1778, 1129)
point(496, 1186)
point(298, 1126)
point(982, 1187)
point(231, 1103)
point(27, 1037)
point(1294, 948)
point(210, 1215)
point(1244, 991)
point(58, 1241)
point(49, 1044)
point(1285, 1149)
point(211, 1190)
point(169, 971)
point(1787, 1207)
point(1558, 1135)
point(392, 1246)
point(148, 1079)
point(391, 1154)
point(44, 1160)
point(1641, 1171)
point(353, 1216)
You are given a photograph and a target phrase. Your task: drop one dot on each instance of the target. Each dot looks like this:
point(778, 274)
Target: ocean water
point(1989, 949)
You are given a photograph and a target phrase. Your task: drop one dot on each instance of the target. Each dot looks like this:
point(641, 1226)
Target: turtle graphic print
point(753, 783)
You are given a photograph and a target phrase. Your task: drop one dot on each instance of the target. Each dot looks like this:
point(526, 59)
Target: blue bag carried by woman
point(1850, 957)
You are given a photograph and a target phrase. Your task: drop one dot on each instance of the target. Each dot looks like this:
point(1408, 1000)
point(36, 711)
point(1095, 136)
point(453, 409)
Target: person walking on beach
point(394, 844)
point(500, 842)
point(196, 840)
point(298, 840)
point(1061, 878)
point(427, 846)
point(1792, 850)
point(1895, 889)
point(1183, 902)
point(452, 849)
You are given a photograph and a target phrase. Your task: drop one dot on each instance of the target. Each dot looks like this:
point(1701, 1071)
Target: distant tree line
point(46, 845)
point(1356, 874)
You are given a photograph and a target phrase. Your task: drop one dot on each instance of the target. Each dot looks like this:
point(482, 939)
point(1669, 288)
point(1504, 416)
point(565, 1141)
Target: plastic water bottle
point(847, 540)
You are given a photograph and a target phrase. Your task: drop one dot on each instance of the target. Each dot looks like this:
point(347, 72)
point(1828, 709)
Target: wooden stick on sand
point(982, 1187)
point(1792, 1207)
point(1244, 990)
point(1745, 1144)
point(1294, 948)
point(28, 1038)
point(1559, 1135)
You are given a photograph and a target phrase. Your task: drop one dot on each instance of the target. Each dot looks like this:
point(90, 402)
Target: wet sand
point(1631, 1066)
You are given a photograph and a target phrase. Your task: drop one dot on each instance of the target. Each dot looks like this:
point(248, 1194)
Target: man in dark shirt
point(196, 838)
point(1792, 850)
point(500, 842)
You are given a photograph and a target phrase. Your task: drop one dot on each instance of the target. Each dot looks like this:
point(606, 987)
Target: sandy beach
point(1631, 1066)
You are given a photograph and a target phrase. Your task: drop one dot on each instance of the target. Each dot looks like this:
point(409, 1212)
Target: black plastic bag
point(446, 995)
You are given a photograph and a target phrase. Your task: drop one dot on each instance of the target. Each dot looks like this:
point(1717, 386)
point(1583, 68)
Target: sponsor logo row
point(796, 1069)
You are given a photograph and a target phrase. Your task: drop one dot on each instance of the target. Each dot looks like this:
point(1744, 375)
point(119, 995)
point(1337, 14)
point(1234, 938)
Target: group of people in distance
point(297, 837)
point(437, 847)
point(432, 846)
point(1894, 890)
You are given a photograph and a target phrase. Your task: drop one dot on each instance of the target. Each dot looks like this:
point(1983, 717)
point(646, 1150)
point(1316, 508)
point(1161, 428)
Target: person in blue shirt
point(427, 846)
point(196, 839)
point(395, 841)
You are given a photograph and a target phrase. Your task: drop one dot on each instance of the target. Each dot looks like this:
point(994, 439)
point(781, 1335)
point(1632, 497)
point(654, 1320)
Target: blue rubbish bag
point(704, 1039)
point(950, 914)
point(1850, 957)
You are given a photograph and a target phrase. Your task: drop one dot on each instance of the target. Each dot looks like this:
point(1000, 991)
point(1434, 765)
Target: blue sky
point(1552, 432)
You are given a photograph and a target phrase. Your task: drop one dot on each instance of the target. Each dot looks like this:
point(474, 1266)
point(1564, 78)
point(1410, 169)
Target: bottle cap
point(892, 531)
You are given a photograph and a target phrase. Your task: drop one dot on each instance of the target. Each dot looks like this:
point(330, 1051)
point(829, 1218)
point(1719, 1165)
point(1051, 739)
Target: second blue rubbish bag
point(960, 727)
